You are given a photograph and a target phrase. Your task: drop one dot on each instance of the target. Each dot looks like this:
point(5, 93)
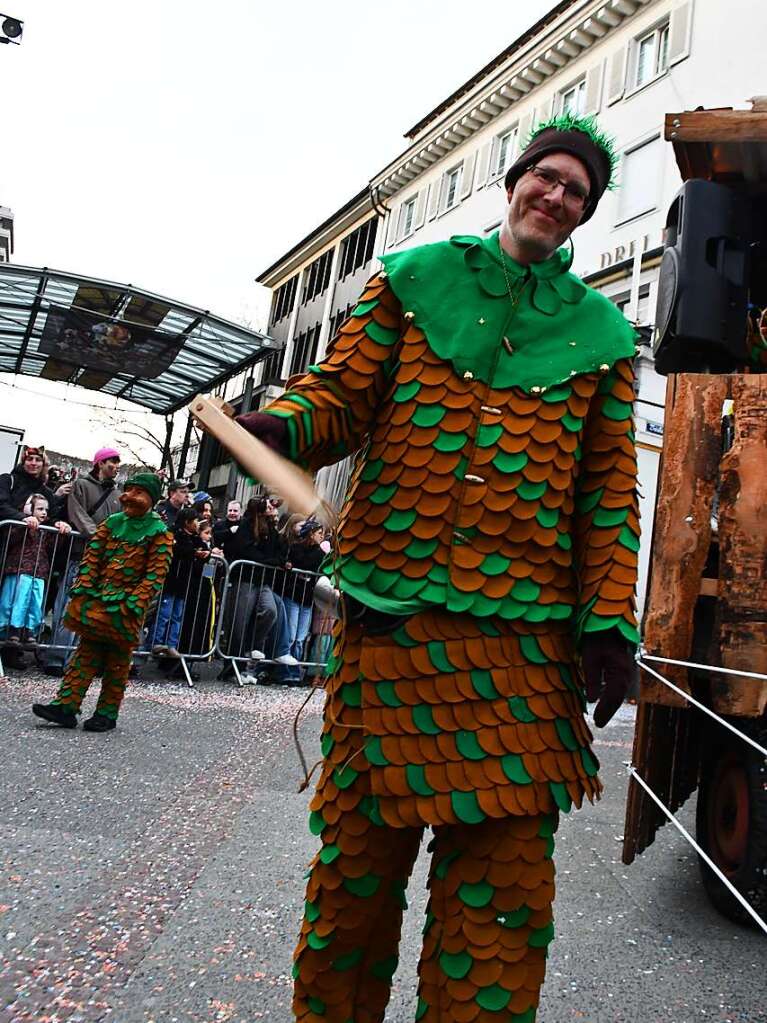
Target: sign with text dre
point(89, 339)
point(621, 252)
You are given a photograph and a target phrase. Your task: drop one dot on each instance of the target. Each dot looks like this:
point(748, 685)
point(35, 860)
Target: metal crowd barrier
point(242, 612)
point(32, 563)
point(194, 610)
point(263, 607)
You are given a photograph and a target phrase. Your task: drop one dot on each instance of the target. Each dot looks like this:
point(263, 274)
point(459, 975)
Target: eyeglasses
point(574, 194)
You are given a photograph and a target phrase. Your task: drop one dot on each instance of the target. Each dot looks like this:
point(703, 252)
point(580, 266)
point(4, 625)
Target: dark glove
point(270, 430)
point(608, 666)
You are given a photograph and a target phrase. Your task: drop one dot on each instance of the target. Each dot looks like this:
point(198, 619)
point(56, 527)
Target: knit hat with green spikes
point(582, 138)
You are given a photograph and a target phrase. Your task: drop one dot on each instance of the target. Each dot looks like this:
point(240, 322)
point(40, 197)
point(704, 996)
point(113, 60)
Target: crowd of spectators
point(271, 623)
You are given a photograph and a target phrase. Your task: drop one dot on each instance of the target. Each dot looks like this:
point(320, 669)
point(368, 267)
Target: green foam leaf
point(476, 895)
point(438, 657)
point(529, 491)
point(416, 779)
point(423, 719)
point(541, 937)
point(466, 808)
point(364, 886)
point(428, 415)
point(450, 441)
point(531, 650)
point(398, 521)
point(418, 549)
point(482, 681)
point(348, 961)
point(468, 745)
point(561, 795)
point(493, 998)
point(566, 734)
point(519, 708)
point(514, 769)
point(505, 462)
point(455, 965)
point(374, 753)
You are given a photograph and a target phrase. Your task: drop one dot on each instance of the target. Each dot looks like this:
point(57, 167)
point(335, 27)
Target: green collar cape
point(133, 530)
point(555, 326)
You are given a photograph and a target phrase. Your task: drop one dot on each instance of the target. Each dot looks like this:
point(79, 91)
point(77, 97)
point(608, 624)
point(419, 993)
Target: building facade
point(627, 61)
point(6, 234)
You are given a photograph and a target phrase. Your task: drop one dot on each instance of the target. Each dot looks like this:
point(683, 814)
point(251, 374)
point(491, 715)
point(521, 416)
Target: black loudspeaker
point(704, 281)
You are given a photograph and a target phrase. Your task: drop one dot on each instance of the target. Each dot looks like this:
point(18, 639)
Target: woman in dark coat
point(259, 624)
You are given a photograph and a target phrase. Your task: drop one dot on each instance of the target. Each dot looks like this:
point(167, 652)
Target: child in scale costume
point(122, 571)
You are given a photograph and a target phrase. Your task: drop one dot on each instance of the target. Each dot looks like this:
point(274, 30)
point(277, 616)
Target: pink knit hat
point(103, 453)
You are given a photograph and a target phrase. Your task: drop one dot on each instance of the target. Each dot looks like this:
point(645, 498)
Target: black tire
point(731, 820)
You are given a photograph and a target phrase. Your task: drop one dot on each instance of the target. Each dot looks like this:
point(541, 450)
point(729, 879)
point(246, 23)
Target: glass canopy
point(117, 339)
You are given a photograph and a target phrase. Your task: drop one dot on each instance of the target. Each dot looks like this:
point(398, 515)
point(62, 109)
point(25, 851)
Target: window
point(573, 100)
point(451, 185)
point(339, 317)
point(317, 277)
point(304, 349)
point(652, 55)
point(643, 307)
point(357, 248)
point(272, 366)
point(406, 218)
point(284, 297)
point(640, 180)
point(504, 150)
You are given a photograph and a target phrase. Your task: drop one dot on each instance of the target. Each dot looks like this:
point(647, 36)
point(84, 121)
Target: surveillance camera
point(12, 29)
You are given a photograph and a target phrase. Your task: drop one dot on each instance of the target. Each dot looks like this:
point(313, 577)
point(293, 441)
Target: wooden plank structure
point(727, 146)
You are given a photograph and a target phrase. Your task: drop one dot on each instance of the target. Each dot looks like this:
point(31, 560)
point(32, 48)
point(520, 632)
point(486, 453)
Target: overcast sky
point(183, 146)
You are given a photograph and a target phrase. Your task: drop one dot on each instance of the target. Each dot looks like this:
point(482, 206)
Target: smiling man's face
point(539, 220)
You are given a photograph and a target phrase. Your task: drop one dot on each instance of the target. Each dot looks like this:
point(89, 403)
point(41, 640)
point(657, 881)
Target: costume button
point(491, 408)
point(474, 479)
point(604, 368)
point(535, 390)
point(468, 375)
point(507, 346)
point(409, 315)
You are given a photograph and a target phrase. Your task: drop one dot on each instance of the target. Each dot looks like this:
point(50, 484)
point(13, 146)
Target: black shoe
point(14, 635)
point(56, 714)
point(54, 670)
point(226, 674)
point(13, 657)
point(99, 723)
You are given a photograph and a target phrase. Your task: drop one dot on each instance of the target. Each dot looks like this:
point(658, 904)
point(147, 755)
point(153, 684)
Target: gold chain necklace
point(513, 297)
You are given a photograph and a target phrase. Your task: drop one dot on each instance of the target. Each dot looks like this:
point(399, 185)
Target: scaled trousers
point(488, 924)
point(90, 660)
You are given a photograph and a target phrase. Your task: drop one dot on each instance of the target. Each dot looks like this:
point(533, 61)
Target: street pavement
point(155, 875)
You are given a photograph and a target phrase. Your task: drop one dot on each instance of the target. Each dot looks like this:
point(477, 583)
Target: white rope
point(701, 706)
point(728, 884)
point(704, 667)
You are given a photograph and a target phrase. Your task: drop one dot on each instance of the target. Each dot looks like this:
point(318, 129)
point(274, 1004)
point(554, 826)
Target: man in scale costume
point(487, 552)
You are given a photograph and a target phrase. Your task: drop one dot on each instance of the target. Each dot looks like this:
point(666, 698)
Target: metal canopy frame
point(212, 349)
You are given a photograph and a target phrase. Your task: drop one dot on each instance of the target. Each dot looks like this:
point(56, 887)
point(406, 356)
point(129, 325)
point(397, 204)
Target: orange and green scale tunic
point(492, 504)
point(122, 570)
